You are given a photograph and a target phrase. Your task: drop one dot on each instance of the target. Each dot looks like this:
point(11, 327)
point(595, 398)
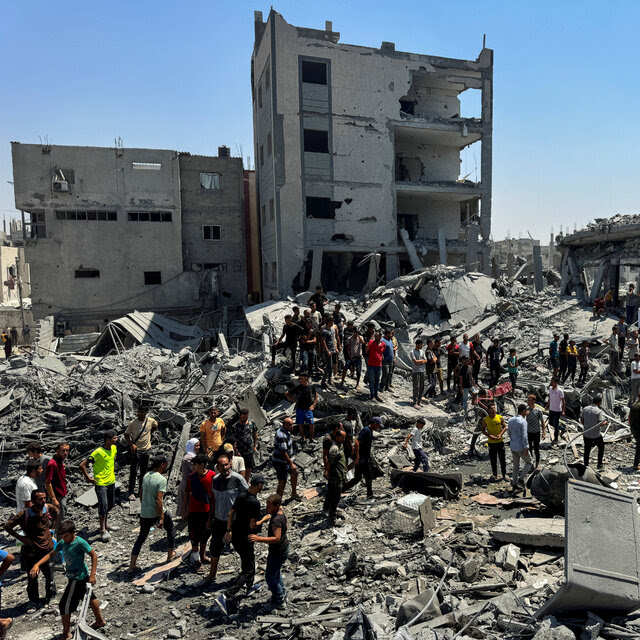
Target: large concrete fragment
point(602, 563)
point(442, 245)
point(469, 297)
point(472, 247)
point(532, 532)
point(537, 268)
point(416, 263)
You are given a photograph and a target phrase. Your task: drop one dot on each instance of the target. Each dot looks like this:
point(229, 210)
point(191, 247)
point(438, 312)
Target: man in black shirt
point(320, 299)
point(287, 340)
point(305, 397)
point(362, 463)
point(494, 357)
point(244, 520)
point(564, 357)
point(477, 356)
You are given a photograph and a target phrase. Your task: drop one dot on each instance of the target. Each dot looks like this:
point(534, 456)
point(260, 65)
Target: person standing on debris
point(375, 350)
point(278, 550)
point(466, 348)
point(288, 341)
point(495, 354)
point(599, 306)
point(512, 367)
point(583, 358)
point(466, 382)
point(415, 436)
point(336, 473)
point(622, 335)
point(14, 335)
point(494, 427)
point(152, 510)
point(635, 378)
point(227, 485)
point(328, 350)
point(453, 353)
point(634, 424)
point(138, 437)
point(396, 346)
point(430, 371)
point(197, 504)
point(26, 334)
point(608, 301)
point(438, 352)
point(477, 350)
point(104, 479)
point(320, 300)
point(244, 519)
point(418, 373)
point(351, 428)
point(315, 316)
point(353, 356)
point(519, 445)
point(245, 432)
point(614, 350)
point(305, 398)
point(56, 480)
point(362, 462)
point(212, 433)
point(308, 348)
point(8, 346)
point(36, 523)
point(554, 356)
point(632, 344)
point(186, 469)
point(563, 357)
point(536, 428)
point(26, 485)
point(556, 404)
point(339, 320)
point(632, 303)
point(73, 549)
point(572, 361)
point(282, 459)
point(34, 452)
point(230, 450)
point(593, 419)
point(387, 361)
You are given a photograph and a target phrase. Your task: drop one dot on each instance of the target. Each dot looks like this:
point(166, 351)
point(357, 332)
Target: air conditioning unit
point(60, 185)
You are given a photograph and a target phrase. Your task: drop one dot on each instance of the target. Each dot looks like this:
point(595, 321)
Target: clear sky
point(175, 75)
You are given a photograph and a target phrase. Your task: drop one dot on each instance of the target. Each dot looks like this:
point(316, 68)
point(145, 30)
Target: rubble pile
point(448, 554)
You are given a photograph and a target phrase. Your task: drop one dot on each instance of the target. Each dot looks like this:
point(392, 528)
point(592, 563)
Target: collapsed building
point(358, 159)
point(600, 257)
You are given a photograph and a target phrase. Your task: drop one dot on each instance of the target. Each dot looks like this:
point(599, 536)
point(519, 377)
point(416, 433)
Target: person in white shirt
point(635, 379)
point(415, 436)
point(237, 461)
point(418, 372)
point(26, 484)
point(556, 405)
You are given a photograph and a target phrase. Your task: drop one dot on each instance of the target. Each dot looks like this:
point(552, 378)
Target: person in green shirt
point(73, 549)
point(104, 478)
point(152, 512)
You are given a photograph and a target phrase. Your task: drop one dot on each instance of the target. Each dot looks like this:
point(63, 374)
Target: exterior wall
point(8, 257)
point(121, 250)
point(252, 236)
point(359, 108)
point(223, 207)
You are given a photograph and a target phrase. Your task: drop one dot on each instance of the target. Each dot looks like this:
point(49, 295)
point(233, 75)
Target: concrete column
point(495, 269)
point(552, 251)
point(537, 267)
point(565, 282)
point(486, 62)
point(416, 263)
point(372, 276)
point(442, 246)
point(316, 269)
point(472, 247)
point(511, 263)
point(392, 265)
point(598, 280)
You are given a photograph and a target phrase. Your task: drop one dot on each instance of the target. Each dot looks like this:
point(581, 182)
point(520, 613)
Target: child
point(278, 549)
point(415, 435)
point(512, 367)
point(73, 549)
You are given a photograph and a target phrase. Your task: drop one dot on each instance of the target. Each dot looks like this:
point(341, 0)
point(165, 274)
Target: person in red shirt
point(198, 502)
point(374, 364)
point(56, 480)
point(453, 353)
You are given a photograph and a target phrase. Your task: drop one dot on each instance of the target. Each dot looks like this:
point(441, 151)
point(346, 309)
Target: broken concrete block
point(17, 362)
point(427, 517)
point(552, 630)
point(508, 556)
point(237, 362)
point(470, 568)
point(533, 532)
point(412, 607)
point(385, 568)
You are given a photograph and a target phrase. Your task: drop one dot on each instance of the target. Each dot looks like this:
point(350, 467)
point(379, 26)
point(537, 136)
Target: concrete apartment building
point(108, 230)
point(354, 145)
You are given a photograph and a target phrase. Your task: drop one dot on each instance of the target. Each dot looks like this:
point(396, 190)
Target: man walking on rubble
point(495, 354)
point(614, 353)
point(56, 480)
point(418, 367)
point(305, 398)
point(227, 485)
point(319, 299)
point(353, 349)
point(387, 361)
point(329, 346)
point(477, 350)
point(245, 432)
point(556, 404)
point(138, 437)
point(554, 356)
point(212, 433)
point(583, 359)
point(415, 436)
point(635, 378)
point(374, 365)
point(288, 340)
point(494, 427)
point(453, 353)
point(519, 445)
point(563, 357)
point(593, 419)
point(622, 335)
point(104, 480)
point(632, 304)
point(26, 485)
point(282, 459)
point(362, 462)
point(336, 473)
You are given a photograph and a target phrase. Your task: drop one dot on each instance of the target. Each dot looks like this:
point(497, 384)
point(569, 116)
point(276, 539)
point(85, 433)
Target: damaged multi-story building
point(358, 159)
point(601, 257)
point(108, 230)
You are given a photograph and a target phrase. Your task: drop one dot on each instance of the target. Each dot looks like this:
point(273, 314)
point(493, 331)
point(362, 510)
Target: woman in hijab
point(193, 447)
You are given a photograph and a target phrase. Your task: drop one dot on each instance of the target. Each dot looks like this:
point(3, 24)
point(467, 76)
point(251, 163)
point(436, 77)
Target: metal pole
point(19, 281)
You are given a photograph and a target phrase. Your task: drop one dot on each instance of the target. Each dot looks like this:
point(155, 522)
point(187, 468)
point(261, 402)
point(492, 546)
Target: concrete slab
point(602, 563)
point(416, 263)
point(248, 400)
point(532, 532)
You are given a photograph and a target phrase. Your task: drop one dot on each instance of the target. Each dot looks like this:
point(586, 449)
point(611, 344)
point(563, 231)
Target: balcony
point(455, 132)
point(451, 190)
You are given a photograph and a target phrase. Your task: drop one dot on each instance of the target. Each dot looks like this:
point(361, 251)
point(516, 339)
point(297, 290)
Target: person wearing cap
point(230, 449)
point(212, 433)
point(244, 519)
point(415, 436)
point(593, 419)
point(362, 462)
point(418, 371)
point(152, 511)
point(138, 437)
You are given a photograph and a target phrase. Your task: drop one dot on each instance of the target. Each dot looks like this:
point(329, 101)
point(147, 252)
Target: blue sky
point(176, 76)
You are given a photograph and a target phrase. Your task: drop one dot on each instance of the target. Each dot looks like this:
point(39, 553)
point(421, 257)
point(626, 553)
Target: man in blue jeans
point(387, 361)
point(278, 550)
point(375, 350)
point(282, 459)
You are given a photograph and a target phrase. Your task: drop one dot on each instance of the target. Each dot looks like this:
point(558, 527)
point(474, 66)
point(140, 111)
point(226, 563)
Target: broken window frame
point(35, 226)
point(315, 141)
point(211, 230)
point(320, 208)
point(311, 72)
point(152, 278)
point(210, 181)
